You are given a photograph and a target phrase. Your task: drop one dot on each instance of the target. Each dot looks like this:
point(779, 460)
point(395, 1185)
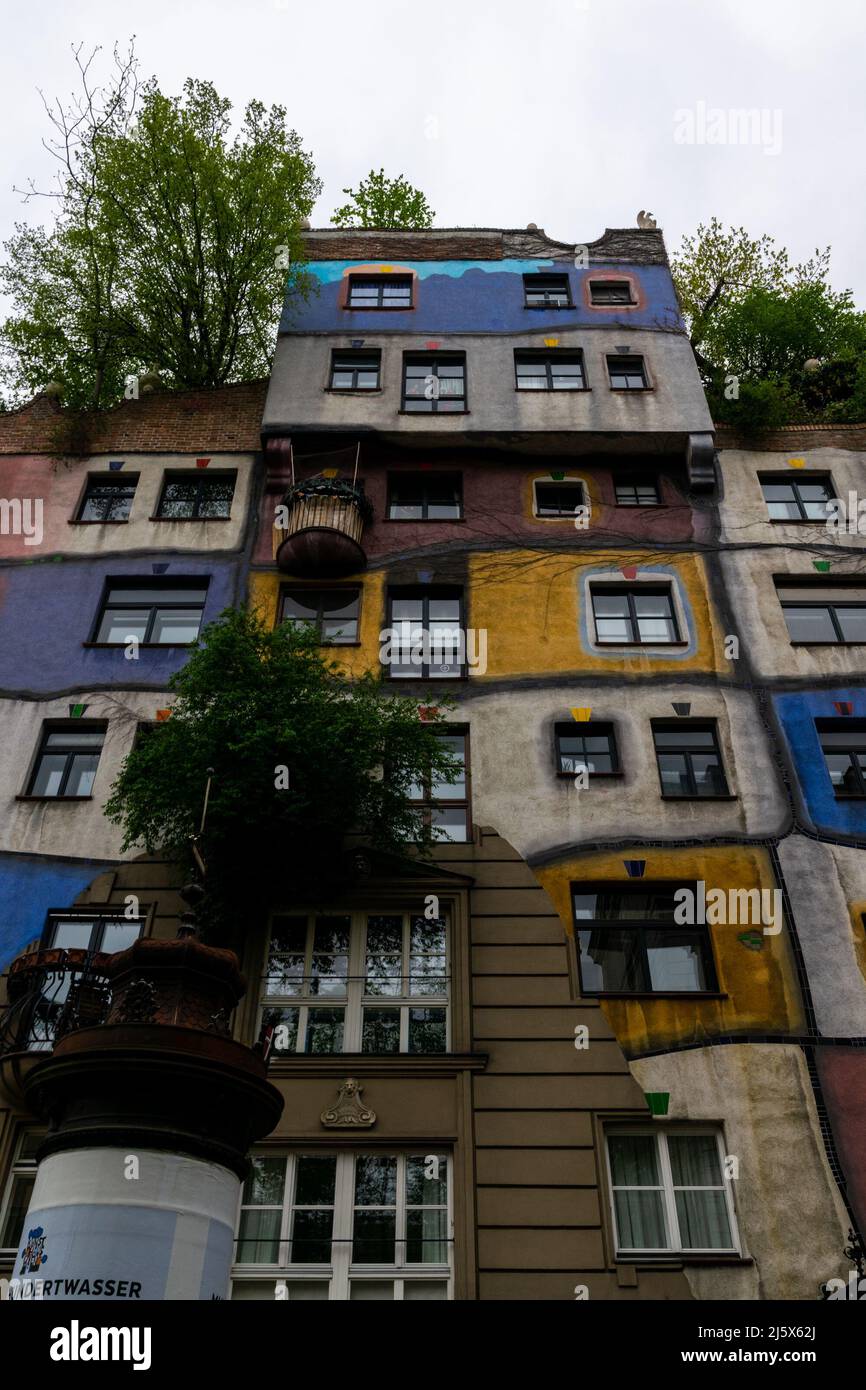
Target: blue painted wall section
point(30, 888)
point(797, 713)
point(478, 297)
point(48, 611)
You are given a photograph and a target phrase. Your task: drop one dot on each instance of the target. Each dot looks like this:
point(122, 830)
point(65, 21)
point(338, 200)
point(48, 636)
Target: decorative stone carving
point(139, 1003)
point(349, 1112)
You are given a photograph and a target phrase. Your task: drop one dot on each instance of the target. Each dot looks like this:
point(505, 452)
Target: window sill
point(113, 521)
point(53, 799)
point(649, 994)
point(636, 646)
point(593, 776)
point(378, 308)
point(142, 646)
point(424, 520)
point(186, 520)
point(726, 797)
point(353, 390)
point(827, 644)
point(683, 1257)
point(632, 390)
point(341, 1064)
point(548, 308)
point(439, 413)
point(551, 391)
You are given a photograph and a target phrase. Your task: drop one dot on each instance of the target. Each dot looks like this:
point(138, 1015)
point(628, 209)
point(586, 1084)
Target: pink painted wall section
point(497, 507)
point(843, 1078)
point(33, 482)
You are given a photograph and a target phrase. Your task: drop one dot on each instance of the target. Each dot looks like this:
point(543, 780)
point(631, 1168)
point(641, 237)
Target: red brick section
point(787, 438)
point(224, 420)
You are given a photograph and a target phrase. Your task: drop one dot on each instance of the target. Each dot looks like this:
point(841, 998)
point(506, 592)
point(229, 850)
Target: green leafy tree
point(173, 244)
point(301, 759)
point(382, 202)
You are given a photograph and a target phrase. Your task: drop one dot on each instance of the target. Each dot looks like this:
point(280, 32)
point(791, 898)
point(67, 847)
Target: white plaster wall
point(300, 374)
point(743, 511)
point(791, 1219)
point(515, 789)
point(73, 828)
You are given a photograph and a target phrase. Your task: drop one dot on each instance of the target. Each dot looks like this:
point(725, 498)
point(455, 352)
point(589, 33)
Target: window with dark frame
point(155, 612)
point(108, 498)
point(630, 943)
point(590, 746)
point(823, 614)
point(558, 499)
point(803, 498)
point(843, 743)
point(372, 982)
point(688, 757)
point(333, 612)
point(668, 1190)
point(198, 496)
point(19, 1187)
point(427, 639)
point(610, 292)
point(355, 371)
point(549, 371)
point(447, 804)
point(643, 616)
point(380, 292)
point(67, 760)
point(425, 496)
point(637, 492)
point(434, 384)
point(546, 291)
point(627, 374)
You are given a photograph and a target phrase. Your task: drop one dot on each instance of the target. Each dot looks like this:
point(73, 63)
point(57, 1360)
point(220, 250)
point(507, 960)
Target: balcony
point(50, 993)
point(319, 528)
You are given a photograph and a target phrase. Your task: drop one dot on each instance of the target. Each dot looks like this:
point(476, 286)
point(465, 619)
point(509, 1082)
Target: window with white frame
point(374, 982)
point(19, 1188)
point(344, 1226)
point(669, 1192)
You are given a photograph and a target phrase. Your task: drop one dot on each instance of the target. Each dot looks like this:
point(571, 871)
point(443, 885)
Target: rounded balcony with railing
point(319, 526)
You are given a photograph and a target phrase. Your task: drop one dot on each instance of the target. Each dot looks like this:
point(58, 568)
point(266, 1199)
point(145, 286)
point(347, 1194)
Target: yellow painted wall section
point(264, 593)
point(531, 605)
point(761, 989)
point(858, 932)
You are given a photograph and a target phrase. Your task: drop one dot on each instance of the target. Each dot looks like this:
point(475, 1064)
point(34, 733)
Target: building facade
point(607, 1043)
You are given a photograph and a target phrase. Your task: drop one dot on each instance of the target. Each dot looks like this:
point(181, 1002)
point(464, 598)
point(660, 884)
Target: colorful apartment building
point(605, 1044)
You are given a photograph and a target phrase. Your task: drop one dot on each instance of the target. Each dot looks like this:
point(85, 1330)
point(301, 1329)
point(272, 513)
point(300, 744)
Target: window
point(549, 371)
point(157, 612)
point(355, 371)
point(67, 760)
point(446, 804)
point(19, 1188)
point(558, 499)
point(688, 757)
point(546, 291)
point(668, 1191)
point(637, 493)
point(629, 942)
point(426, 637)
point(803, 498)
point(345, 1226)
point(333, 612)
point(634, 617)
point(610, 292)
point(108, 498)
point(380, 292)
point(434, 384)
point(87, 933)
point(425, 497)
point(590, 747)
point(627, 374)
point(358, 982)
point(824, 613)
point(196, 496)
point(843, 743)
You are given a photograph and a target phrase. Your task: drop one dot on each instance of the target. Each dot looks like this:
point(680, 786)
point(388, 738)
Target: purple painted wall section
point(843, 1078)
point(497, 505)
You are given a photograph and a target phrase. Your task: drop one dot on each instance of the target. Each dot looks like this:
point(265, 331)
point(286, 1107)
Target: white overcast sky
point(559, 112)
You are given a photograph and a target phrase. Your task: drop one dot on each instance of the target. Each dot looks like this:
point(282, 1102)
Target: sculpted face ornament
point(349, 1112)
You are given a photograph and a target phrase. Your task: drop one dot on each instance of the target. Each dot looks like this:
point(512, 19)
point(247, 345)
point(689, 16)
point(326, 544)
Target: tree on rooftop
point(172, 244)
point(382, 202)
point(301, 759)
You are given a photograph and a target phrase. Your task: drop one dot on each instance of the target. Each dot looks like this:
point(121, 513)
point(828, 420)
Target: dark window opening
point(546, 291)
point(380, 292)
point(426, 639)
point(643, 492)
point(425, 497)
point(630, 943)
point(589, 747)
point(333, 612)
point(627, 373)
point(797, 499)
point(824, 613)
point(67, 760)
point(558, 499)
point(549, 371)
point(610, 292)
point(843, 743)
point(151, 611)
point(196, 497)
point(355, 371)
point(434, 385)
point(688, 757)
point(643, 616)
point(108, 499)
point(446, 804)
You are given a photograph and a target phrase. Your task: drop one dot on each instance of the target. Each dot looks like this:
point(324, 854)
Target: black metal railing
point(51, 993)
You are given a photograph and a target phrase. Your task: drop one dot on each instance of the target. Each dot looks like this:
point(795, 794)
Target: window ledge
point(378, 308)
point(353, 390)
point(684, 1257)
point(53, 799)
point(632, 390)
point(551, 391)
point(650, 994)
point(185, 520)
point(548, 308)
point(142, 646)
point(639, 646)
point(727, 797)
point(111, 521)
point(827, 644)
point(342, 1064)
point(570, 776)
point(424, 520)
point(434, 412)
